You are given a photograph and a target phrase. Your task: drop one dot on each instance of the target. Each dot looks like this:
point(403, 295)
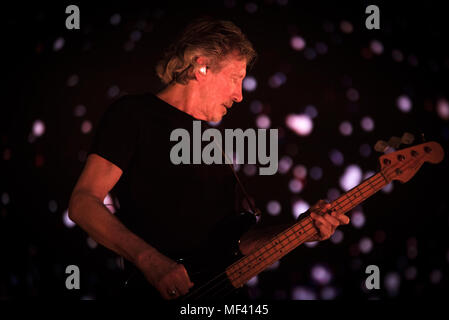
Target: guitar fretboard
point(244, 269)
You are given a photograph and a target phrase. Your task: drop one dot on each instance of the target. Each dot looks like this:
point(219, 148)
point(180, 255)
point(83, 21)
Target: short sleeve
point(117, 133)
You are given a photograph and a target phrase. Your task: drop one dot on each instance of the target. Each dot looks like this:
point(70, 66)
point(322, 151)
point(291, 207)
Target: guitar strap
point(254, 210)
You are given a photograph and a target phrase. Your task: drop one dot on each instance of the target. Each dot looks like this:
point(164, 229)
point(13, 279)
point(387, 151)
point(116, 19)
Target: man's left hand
point(326, 223)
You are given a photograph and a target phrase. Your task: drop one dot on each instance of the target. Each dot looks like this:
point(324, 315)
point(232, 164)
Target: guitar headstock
point(403, 164)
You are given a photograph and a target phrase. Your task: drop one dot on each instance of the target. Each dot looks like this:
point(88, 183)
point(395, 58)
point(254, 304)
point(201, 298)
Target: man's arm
point(87, 210)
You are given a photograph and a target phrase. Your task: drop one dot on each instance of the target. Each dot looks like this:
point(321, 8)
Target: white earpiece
point(203, 70)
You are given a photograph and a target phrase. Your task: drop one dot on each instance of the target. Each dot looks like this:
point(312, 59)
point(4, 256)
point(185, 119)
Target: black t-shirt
point(172, 207)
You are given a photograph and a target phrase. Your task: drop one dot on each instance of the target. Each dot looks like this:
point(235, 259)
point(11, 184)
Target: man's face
point(220, 90)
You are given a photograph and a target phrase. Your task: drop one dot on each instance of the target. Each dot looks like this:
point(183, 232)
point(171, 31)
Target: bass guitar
point(400, 165)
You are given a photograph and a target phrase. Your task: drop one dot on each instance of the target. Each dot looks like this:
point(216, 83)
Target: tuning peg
point(381, 146)
point(407, 138)
point(394, 142)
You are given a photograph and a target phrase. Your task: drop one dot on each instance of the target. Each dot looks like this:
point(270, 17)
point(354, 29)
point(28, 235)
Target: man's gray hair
point(213, 39)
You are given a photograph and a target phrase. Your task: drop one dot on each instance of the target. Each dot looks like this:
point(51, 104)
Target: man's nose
point(238, 96)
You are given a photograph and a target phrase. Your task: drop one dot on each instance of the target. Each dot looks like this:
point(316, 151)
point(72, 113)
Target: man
point(167, 211)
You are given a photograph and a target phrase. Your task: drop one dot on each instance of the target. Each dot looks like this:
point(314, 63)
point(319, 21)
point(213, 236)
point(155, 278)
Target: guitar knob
point(381, 146)
point(394, 142)
point(407, 138)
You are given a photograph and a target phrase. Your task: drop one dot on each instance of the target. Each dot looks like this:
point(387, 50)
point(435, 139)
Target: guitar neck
point(244, 269)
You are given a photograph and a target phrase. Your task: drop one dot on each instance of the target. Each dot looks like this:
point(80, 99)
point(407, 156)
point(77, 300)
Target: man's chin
point(216, 119)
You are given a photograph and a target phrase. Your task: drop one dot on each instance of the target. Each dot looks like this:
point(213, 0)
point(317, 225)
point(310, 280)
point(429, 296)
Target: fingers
point(325, 228)
point(335, 219)
point(175, 283)
point(184, 283)
point(168, 294)
point(323, 206)
point(341, 217)
point(331, 219)
point(327, 223)
point(317, 218)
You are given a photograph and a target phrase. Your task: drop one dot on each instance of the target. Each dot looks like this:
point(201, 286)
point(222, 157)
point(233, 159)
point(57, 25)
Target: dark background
point(407, 227)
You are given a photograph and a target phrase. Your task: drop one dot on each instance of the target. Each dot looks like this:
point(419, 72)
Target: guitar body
point(202, 267)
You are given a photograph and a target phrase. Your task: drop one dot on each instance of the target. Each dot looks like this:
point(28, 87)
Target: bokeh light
point(256, 107)
point(443, 109)
point(345, 128)
point(79, 111)
point(249, 83)
point(352, 95)
point(277, 80)
point(301, 124)
point(336, 157)
point(300, 172)
point(58, 44)
point(311, 111)
point(66, 220)
point(367, 123)
point(358, 219)
point(376, 47)
point(351, 177)
point(295, 186)
point(392, 283)
point(365, 245)
point(263, 121)
point(299, 207)
point(321, 274)
point(38, 128)
point(346, 27)
point(297, 43)
point(115, 19)
point(316, 173)
point(274, 208)
point(404, 103)
point(303, 293)
point(337, 237)
point(285, 163)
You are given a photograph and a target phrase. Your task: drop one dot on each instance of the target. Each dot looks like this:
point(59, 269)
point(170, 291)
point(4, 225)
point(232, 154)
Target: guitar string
point(368, 185)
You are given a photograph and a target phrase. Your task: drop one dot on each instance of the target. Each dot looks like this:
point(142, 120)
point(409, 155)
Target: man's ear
point(201, 68)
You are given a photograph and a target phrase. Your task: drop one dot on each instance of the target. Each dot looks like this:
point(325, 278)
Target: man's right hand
point(167, 276)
